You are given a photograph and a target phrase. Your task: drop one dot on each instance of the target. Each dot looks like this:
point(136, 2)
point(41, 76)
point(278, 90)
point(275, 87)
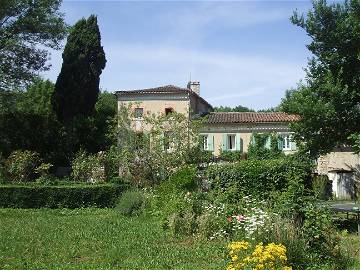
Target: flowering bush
point(246, 219)
point(21, 164)
point(261, 257)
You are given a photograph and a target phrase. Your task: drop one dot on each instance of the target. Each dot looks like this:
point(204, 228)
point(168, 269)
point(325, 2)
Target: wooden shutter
point(224, 142)
point(211, 142)
point(268, 142)
point(280, 142)
point(292, 144)
point(237, 142)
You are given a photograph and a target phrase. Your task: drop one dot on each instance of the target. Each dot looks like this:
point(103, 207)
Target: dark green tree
point(77, 86)
point(328, 101)
point(24, 25)
point(238, 108)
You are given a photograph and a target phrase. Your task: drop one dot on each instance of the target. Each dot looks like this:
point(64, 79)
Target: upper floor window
point(168, 111)
point(139, 112)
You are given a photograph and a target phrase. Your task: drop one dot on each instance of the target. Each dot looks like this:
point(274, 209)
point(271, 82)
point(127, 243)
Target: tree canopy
point(24, 25)
point(77, 86)
point(328, 100)
point(238, 108)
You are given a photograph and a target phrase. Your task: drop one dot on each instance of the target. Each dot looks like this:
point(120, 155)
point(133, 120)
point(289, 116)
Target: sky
point(243, 53)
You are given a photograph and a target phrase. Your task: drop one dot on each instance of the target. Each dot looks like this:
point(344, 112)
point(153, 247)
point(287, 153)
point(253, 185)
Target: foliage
point(131, 202)
point(260, 257)
point(170, 142)
point(238, 108)
point(320, 232)
point(21, 166)
point(27, 28)
point(328, 101)
point(232, 156)
point(286, 232)
point(172, 195)
point(88, 168)
point(256, 177)
point(63, 196)
point(77, 86)
point(355, 138)
point(43, 172)
point(264, 146)
point(322, 187)
point(37, 98)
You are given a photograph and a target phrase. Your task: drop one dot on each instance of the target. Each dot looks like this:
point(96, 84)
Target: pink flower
point(240, 218)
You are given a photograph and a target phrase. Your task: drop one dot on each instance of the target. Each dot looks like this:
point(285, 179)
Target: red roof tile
point(250, 117)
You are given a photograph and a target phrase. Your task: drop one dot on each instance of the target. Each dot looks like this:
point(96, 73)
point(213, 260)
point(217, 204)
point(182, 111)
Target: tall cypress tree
point(77, 86)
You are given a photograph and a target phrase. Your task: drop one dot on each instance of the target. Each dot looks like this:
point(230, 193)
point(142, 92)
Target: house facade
point(222, 131)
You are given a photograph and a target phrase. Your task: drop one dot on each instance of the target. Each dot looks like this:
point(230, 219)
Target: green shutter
point(268, 142)
point(211, 142)
point(252, 141)
point(280, 142)
point(224, 142)
point(292, 144)
point(237, 142)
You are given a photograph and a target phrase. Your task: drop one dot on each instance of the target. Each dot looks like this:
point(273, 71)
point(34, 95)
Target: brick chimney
point(194, 86)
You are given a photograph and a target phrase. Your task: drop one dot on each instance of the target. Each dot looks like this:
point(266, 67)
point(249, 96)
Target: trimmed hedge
point(70, 196)
point(259, 177)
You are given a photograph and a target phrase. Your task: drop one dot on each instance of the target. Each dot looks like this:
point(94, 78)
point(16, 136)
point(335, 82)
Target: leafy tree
point(328, 100)
point(24, 25)
point(37, 98)
point(77, 86)
point(238, 108)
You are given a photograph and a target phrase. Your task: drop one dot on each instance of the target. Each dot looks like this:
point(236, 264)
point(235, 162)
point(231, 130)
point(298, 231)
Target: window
point(167, 140)
point(168, 111)
point(205, 142)
point(139, 112)
point(231, 142)
point(287, 142)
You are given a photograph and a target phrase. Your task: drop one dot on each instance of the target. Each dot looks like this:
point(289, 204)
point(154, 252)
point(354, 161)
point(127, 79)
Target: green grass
point(97, 239)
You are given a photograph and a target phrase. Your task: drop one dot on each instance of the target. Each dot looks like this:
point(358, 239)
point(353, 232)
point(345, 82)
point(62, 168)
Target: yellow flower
point(287, 268)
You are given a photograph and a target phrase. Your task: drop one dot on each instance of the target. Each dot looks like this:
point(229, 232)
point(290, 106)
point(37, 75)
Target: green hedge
point(258, 177)
point(70, 196)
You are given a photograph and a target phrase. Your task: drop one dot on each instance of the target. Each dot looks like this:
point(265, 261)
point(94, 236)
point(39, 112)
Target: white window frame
point(228, 141)
point(205, 142)
point(287, 138)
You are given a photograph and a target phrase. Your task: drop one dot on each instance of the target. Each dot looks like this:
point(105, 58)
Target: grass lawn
point(97, 239)
point(102, 239)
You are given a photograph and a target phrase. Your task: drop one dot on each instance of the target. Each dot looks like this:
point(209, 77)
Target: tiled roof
point(167, 89)
point(161, 89)
point(250, 117)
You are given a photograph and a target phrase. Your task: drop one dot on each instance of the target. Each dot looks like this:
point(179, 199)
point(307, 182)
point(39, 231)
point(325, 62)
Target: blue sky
point(243, 53)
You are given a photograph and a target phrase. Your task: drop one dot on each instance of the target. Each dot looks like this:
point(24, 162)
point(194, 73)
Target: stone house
point(222, 132)
point(231, 131)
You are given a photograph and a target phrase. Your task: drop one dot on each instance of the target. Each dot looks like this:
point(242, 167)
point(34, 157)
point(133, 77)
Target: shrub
point(21, 164)
point(322, 187)
point(257, 177)
point(130, 203)
point(88, 168)
point(67, 196)
point(232, 156)
point(2, 170)
point(286, 232)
